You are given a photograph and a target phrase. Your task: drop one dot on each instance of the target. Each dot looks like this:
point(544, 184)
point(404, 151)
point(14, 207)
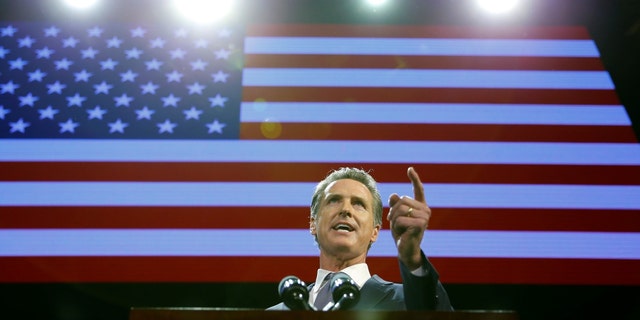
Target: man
point(346, 217)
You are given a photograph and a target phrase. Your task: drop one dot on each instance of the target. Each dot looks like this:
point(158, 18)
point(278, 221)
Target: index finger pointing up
point(418, 188)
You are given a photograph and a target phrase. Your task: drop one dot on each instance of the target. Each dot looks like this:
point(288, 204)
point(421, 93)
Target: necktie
point(324, 296)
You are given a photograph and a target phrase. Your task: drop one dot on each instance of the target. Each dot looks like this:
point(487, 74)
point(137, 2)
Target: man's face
point(344, 224)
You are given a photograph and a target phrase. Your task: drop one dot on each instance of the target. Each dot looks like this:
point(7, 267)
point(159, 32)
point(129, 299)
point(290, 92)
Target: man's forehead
point(349, 186)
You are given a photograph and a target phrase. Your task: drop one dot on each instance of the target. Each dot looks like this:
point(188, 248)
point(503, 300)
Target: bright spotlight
point(376, 3)
point(498, 6)
point(204, 11)
point(81, 4)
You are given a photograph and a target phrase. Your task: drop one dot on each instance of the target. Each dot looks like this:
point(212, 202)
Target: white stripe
point(288, 243)
point(265, 194)
point(410, 78)
point(424, 46)
point(320, 151)
point(355, 112)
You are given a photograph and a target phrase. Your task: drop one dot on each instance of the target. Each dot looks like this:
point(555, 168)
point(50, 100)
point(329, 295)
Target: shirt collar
point(358, 272)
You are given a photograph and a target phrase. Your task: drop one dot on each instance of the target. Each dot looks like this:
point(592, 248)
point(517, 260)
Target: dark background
point(615, 27)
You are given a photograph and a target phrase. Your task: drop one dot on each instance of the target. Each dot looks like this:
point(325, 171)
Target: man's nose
point(346, 209)
point(345, 213)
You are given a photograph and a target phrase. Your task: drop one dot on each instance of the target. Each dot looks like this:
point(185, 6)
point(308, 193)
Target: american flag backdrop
point(133, 153)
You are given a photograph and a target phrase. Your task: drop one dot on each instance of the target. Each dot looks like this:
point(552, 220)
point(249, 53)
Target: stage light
point(204, 11)
point(498, 6)
point(81, 4)
point(376, 3)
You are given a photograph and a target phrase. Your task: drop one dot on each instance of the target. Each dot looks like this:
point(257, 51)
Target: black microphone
point(294, 293)
point(344, 291)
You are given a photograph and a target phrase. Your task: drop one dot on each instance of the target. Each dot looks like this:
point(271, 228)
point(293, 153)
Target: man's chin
point(340, 245)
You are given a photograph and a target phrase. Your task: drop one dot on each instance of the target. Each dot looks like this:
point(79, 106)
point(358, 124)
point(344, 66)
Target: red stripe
point(422, 62)
point(272, 269)
point(434, 95)
point(313, 172)
point(389, 31)
point(435, 132)
point(298, 218)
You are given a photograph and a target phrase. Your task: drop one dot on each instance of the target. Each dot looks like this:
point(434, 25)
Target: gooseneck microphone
point(344, 291)
point(294, 293)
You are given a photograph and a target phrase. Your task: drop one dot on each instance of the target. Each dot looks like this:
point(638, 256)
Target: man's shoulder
point(378, 281)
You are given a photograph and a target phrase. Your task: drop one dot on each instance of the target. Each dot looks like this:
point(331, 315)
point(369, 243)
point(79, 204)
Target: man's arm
point(409, 218)
point(424, 292)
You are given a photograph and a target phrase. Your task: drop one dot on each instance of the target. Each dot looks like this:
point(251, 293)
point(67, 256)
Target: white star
point(95, 32)
point(89, 53)
point(3, 112)
point(192, 113)
point(75, 100)
point(170, 100)
point(153, 64)
point(47, 113)
point(201, 43)
point(138, 32)
point(108, 64)
point(149, 88)
point(174, 76)
point(117, 126)
point(28, 100)
point(63, 64)
point(9, 31)
point(82, 76)
point(128, 76)
point(51, 31)
point(36, 76)
point(180, 33)
point(9, 87)
point(220, 76)
point(144, 113)
point(218, 100)
point(133, 53)
point(215, 126)
point(198, 65)
point(195, 88)
point(103, 87)
point(114, 42)
point(123, 100)
point(166, 126)
point(26, 42)
point(3, 52)
point(96, 113)
point(68, 126)
point(17, 64)
point(224, 33)
point(157, 43)
point(222, 54)
point(18, 126)
point(56, 87)
point(69, 42)
point(177, 54)
point(44, 53)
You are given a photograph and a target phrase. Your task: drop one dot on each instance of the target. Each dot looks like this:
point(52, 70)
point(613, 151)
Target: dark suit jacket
point(415, 293)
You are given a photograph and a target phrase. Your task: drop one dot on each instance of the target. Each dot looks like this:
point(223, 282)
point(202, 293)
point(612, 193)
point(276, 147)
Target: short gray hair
point(354, 174)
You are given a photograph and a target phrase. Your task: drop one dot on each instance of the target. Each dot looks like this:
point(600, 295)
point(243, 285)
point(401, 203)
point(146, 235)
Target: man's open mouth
point(343, 227)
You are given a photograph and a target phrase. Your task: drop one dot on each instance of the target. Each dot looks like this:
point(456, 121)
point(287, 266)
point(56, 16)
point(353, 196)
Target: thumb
point(393, 199)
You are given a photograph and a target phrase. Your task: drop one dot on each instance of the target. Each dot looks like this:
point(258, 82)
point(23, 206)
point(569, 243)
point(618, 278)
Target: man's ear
point(312, 225)
point(375, 233)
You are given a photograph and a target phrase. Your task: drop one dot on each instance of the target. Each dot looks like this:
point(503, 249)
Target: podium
point(255, 314)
